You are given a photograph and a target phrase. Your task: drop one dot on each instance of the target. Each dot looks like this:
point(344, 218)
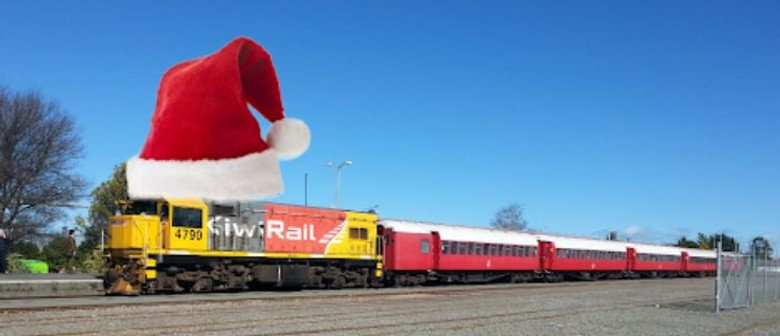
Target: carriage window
point(445, 247)
point(500, 250)
point(478, 249)
point(454, 247)
point(462, 248)
point(493, 249)
point(425, 246)
point(471, 248)
point(534, 250)
point(514, 251)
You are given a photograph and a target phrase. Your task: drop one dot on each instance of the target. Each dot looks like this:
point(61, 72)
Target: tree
point(711, 241)
point(56, 253)
point(26, 249)
point(104, 204)
point(684, 242)
point(509, 217)
point(39, 149)
point(761, 248)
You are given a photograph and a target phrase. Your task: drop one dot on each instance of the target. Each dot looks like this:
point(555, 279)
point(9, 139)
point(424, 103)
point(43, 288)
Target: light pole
point(338, 176)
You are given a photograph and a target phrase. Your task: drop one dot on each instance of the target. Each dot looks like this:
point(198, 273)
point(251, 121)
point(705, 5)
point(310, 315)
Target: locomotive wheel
point(338, 283)
point(202, 285)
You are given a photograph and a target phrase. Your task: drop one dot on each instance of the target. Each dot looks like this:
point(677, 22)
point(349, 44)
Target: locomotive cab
point(147, 227)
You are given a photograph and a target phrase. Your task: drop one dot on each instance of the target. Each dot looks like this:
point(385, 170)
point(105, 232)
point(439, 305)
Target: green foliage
point(15, 264)
point(761, 248)
point(711, 241)
point(104, 204)
point(92, 262)
point(56, 253)
point(509, 217)
point(684, 242)
point(26, 250)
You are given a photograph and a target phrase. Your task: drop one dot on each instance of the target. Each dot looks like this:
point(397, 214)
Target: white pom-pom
point(289, 138)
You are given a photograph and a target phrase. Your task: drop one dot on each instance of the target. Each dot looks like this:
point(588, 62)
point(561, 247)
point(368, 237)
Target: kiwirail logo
point(277, 228)
point(274, 228)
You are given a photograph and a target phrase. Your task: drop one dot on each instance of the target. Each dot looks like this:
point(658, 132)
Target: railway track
point(373, 315)
point(71, 303)
point(375, 312)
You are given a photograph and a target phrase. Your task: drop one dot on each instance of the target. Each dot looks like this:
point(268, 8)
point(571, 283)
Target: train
point(191, 245)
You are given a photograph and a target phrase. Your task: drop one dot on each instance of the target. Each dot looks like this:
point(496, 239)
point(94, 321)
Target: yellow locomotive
point(191, 245)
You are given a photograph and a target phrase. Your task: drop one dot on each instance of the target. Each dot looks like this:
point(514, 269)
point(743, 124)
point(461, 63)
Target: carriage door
point(630, 259)
point(546, 254)
point(389, 259)
point(684, 262)
point(436, 249)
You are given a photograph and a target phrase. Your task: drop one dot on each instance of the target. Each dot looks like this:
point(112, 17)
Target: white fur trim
point(289, 138)
point(248, 177)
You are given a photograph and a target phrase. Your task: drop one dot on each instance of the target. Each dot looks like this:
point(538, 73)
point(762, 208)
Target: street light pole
point(338, 176)
point(306, 189)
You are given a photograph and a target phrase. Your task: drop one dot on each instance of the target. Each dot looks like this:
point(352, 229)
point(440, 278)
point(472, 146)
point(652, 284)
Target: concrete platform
point(14, 286)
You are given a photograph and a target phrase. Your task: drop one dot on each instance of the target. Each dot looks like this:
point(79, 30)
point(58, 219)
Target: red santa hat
point(204, 142)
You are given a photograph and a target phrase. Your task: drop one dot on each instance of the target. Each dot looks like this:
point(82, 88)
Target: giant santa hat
point(204, 142)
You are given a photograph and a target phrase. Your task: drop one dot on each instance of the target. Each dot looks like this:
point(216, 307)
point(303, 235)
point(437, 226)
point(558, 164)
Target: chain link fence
point(746, 280)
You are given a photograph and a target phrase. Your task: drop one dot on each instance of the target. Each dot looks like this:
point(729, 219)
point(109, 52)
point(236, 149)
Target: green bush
point(26, 249)
point(15, 264)
point(92, 262)
point(56, 253)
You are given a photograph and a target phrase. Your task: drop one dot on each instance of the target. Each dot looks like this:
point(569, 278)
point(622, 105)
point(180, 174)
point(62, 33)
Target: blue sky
point(654, 119)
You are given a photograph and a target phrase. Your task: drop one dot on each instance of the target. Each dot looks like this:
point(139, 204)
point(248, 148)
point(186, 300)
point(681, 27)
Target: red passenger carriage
point(583, 258)
point(417, 252)
point(421, 252)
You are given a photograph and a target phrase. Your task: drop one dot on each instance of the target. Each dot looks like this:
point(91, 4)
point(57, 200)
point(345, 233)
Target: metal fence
point(745, 280)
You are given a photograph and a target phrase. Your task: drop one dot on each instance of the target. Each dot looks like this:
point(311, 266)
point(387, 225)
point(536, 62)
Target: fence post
point(719, 274)
point(766, 271)
point(776, 275)
point(750, 275)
